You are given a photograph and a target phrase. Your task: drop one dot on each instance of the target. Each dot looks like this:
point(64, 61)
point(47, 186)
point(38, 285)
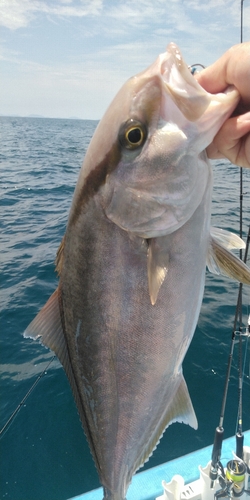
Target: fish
point(132, 265)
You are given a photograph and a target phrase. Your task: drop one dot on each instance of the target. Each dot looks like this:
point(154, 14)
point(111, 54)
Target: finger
point(232, 68)
point(214, 78)
point(233, 141)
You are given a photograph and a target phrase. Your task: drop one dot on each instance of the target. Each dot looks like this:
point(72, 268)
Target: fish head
point(146, 164)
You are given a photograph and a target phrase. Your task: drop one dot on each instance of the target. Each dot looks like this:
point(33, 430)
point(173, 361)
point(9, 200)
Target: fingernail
point(244, 118)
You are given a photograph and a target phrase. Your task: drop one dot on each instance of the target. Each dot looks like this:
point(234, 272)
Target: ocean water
point(44, 453)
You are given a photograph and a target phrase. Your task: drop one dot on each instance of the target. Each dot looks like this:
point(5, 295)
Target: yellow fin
point(228, 240)
point(222, 261)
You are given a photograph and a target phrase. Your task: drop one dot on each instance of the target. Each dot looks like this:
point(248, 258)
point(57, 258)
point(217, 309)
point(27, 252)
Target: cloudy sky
point(67, 58)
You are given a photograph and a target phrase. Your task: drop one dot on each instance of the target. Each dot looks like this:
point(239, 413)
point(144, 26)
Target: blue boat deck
point(147, 485)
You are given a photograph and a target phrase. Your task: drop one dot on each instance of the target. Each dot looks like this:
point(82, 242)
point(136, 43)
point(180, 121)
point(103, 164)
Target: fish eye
point(132, 134)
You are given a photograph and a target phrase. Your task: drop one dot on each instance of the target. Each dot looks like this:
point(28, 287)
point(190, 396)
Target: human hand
point(233, 139)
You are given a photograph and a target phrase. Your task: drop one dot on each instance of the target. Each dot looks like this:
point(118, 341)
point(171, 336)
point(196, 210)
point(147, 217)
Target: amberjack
point(132, 265)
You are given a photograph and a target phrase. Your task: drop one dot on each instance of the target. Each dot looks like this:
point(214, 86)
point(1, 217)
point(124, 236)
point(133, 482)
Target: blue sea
point(44, 453)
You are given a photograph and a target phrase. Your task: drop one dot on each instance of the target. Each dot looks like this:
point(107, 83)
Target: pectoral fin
point(157, 263)
point(228, 240)
point(221, 261)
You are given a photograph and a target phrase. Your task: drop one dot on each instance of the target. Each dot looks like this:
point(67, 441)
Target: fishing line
point(15, 412)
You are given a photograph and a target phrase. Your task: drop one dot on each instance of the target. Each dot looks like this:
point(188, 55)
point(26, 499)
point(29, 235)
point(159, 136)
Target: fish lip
point(173, 68)
point(186, 99)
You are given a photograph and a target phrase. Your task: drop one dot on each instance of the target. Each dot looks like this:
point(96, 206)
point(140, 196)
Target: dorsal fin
point(59, 257)
point(47, 327)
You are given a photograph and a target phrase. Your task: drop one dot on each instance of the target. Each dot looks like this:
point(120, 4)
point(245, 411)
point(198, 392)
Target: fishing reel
point(232, 480)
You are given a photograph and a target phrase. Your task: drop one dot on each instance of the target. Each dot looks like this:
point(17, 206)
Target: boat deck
point(147, 485)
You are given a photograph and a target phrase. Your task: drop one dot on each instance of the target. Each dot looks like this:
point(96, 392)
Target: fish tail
point(109, 495)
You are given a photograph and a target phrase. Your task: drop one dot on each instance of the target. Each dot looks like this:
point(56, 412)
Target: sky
point(68, 58)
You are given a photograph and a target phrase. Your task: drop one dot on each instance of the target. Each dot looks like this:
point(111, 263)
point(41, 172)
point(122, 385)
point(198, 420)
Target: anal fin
point(181, 409)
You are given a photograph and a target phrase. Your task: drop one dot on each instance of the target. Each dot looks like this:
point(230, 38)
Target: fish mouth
point(178, 82)
point(185, 99)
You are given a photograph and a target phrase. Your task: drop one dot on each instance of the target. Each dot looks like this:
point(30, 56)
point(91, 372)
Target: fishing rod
point(216, 468)
point(18, 408)
point(233, 482)
point(239, 435)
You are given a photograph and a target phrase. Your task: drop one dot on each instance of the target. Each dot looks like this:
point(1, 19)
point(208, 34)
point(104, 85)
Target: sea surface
point(44, 453)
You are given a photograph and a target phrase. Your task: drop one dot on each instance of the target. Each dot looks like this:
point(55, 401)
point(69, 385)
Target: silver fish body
point(131, 377)
point(132, 265)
